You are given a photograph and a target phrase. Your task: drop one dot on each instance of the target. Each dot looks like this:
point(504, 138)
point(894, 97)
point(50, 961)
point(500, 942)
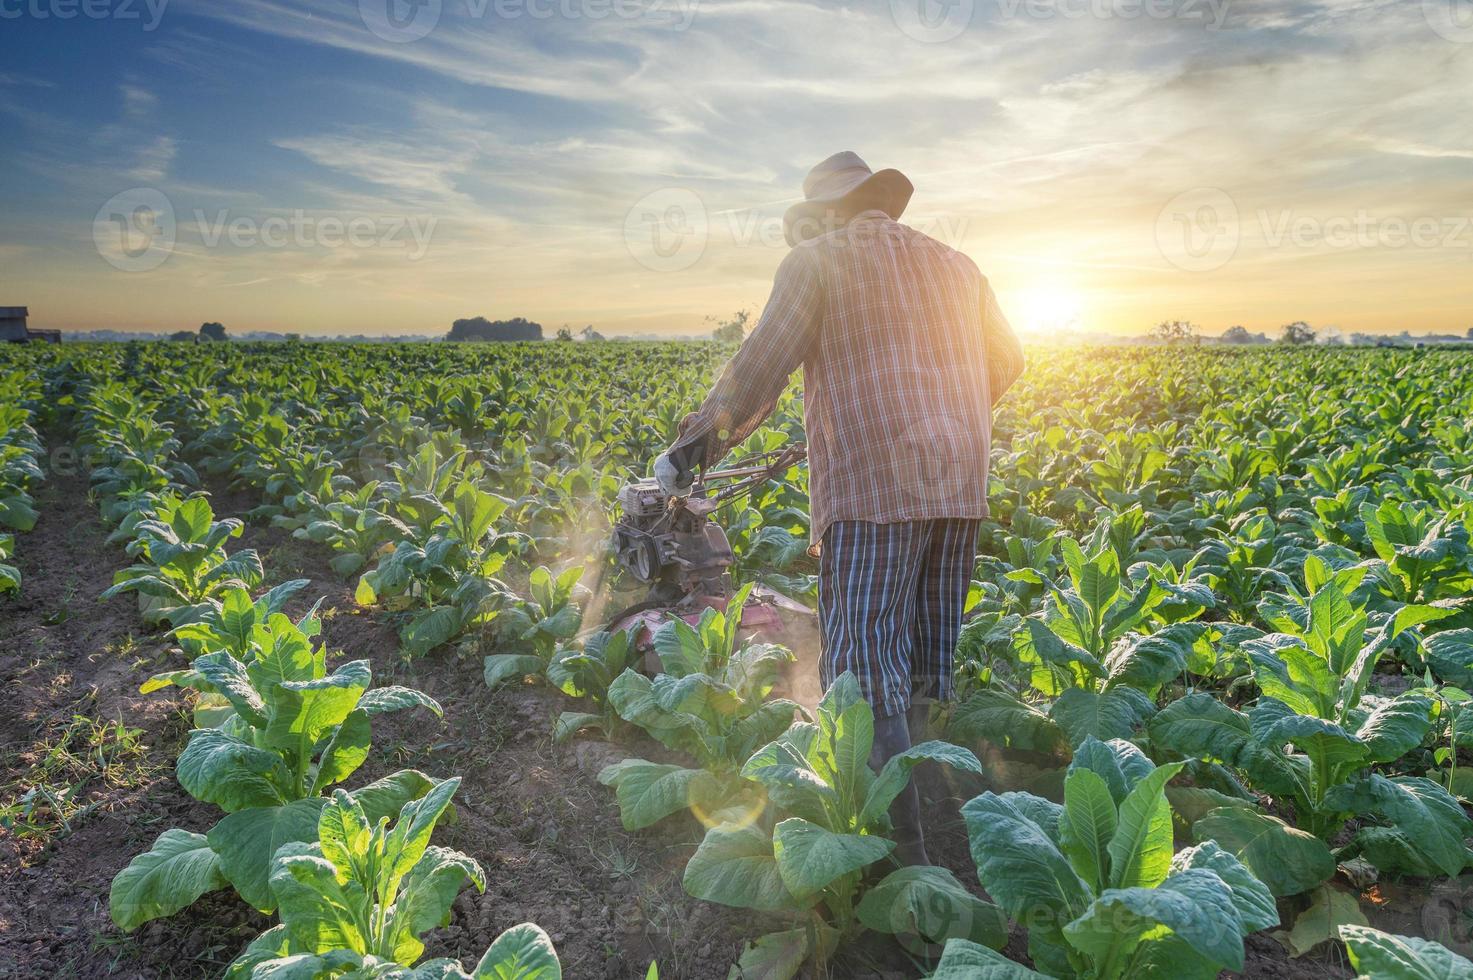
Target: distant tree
point(731, 331)
point(184, 335)
point(563, 333)
point(588, 333)
point(1240, 335)
point(1175, 332)
point(212, 331)
point(479, 328)
point(293, 337)
point(1297, 332)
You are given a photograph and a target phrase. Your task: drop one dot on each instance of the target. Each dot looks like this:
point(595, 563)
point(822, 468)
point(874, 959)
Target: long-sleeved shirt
point(904, 352)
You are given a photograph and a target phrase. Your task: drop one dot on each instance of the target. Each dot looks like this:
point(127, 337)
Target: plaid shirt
point(904, 352)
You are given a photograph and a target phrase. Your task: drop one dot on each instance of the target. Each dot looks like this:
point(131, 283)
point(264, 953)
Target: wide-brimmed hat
point(839, 188)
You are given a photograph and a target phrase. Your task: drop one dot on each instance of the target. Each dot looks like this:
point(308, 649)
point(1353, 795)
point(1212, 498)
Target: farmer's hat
point(838, 189)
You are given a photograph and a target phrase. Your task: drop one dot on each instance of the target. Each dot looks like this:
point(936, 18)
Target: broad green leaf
point(407, 841)
point(810, 858)
point(1381, 956)
point(522, 952)
point(343, 831)
point(1201, 725)
point(346, 750)
point(305, 710)
point(1251, 897)
point(1432, 820)
point(1088, 824)
point(997, 716)
point(219, 768)
point(648, 792)
point(1141, 848)
point(503, 667)
point(781, 955)
point(1450, 655)
point(386, 797)
point(1331, 910)
point(1286, 859)
point(319, 911)
point(177, 870)
point(963, 960)
point(735, 865)
point(1019, 864)
point(1396, 727)
point(1195, 904)
point(1117, 713)
point(895, 773)
point(929, 903)
point(393, 698)
point(425, 897)
point(247, 839)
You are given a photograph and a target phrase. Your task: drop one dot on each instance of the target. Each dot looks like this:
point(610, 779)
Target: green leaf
point(1381, 956)
point(648, 792)
point(1087, 826)
point(503, 667)
point(177, 870)
point(1200, 725)
point(781, 955)
point(1450, 655)
point(963, 960)
point(394, 698)
point(1331, 910)
point(997, 716)
point(1396, 727)
point(1432, 820)
point(1018, 862)
point(406, 842)
point(1252, 899)
point(1195, 904)
point(343, 831)
point(320, 912)
point(386, 797)
point(735, 866)
point(221, 769)
point(895, 773)
point(345, 751)
point(929, 903)
point(247, 839)
point(1140, 850)
point(425, 896)
point(1117, 713)
point(523, 952)
point(308, 709)
point(1286, 859)
point(810, 858)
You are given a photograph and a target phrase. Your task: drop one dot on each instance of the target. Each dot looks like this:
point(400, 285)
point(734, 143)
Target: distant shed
point(13, 328)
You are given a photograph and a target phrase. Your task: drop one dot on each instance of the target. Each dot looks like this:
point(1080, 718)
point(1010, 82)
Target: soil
point(534, 815)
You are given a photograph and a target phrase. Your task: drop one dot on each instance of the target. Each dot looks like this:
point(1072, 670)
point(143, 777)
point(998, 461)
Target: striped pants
point(890, 600)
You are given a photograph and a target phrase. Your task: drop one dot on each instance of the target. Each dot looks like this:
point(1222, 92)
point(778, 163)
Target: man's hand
point(670, 478)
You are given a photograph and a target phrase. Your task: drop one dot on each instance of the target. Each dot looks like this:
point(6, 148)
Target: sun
point(1045, 309)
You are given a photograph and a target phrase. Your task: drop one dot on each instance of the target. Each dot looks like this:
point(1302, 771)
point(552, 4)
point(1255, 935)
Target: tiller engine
point(673, 544)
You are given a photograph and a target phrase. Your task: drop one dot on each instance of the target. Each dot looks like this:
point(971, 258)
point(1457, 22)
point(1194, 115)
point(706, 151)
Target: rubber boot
point(892, 737)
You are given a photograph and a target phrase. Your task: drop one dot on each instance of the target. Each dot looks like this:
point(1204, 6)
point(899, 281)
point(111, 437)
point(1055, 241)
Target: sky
point(387, 166)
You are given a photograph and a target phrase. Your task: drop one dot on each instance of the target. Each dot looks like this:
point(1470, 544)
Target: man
point(904, 352)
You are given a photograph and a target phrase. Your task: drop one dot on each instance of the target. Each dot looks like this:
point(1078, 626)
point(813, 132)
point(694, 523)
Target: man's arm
point(754, 379)
point(1004, 353)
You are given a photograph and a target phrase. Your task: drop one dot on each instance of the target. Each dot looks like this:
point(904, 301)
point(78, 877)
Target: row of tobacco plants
point(1223, 602)
point(351, 874)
